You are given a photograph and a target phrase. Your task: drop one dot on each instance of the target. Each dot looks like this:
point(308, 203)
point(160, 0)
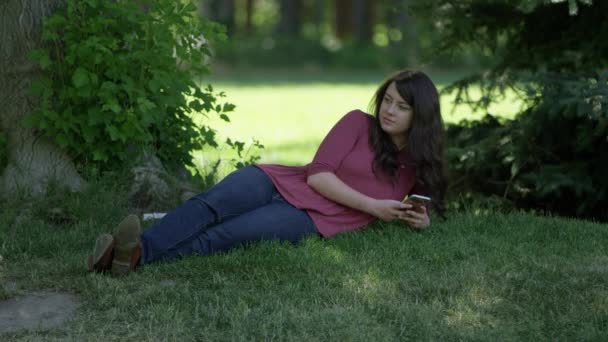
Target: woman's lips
point(388, 121)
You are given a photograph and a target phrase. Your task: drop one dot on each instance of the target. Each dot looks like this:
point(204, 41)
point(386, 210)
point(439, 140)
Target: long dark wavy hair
point(425, 137)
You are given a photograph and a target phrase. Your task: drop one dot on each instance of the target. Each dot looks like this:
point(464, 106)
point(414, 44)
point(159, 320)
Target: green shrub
point(121, 76)
point(553, 157)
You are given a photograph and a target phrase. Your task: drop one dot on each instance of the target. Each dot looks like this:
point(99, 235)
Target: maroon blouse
point(346, 152)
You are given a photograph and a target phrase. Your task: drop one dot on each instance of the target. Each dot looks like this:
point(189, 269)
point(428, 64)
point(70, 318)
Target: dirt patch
point(39, 310)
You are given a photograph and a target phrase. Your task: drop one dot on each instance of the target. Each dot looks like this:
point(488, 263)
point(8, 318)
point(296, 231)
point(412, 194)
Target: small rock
point(39, 310)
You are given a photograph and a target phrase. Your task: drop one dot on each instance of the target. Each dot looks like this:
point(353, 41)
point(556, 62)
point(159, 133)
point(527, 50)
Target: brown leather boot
point(103, 253)
point(127, 250)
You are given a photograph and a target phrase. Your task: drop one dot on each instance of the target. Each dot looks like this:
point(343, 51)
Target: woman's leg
point(277, 220)
point(241, 191)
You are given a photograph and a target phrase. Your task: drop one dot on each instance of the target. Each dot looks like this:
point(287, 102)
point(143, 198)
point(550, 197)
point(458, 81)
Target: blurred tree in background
point(289, 18)
point(221, 11)
point(337, 33)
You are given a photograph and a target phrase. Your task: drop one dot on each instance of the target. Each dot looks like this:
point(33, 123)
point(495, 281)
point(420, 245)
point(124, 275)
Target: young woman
point(362, 170)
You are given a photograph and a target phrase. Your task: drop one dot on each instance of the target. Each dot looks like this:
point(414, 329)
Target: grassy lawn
point(484, 276)
point(480, 275)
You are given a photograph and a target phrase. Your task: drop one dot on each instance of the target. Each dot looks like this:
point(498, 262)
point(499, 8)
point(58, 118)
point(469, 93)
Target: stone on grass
point(155, 189)
point(41, 310)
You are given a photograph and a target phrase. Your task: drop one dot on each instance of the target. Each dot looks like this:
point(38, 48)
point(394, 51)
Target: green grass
point(290, 112)
point(480, 275)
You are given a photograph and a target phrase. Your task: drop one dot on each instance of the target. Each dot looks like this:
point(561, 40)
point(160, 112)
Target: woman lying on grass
point(361, 171)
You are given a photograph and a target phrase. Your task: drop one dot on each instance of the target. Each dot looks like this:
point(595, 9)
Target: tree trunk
point(363, 20)
point(289, 24)
point(221, 11)
point(33, 160)
point(319, 14)
point(400, 19)
point(344, 18)
point(249, 16)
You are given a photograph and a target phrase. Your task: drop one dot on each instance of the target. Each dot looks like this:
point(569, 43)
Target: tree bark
point(319, 13)
point(343, 18)
point(363, 20)
point(289, 24)
point(33, 159)
point(400, 19)
point(249, 16)
point(221, 11)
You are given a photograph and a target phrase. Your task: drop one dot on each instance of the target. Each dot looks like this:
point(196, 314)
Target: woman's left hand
point(418, 219)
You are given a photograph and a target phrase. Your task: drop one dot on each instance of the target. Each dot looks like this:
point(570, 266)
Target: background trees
point(317, 32)
point(554, 155)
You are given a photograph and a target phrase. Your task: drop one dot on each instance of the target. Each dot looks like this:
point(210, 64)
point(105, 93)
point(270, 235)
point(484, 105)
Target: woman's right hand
point(388, 210)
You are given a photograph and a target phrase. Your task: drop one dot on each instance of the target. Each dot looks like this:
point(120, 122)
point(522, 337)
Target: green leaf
point(92, 3)
point(228, 107)
point(113, 132)
point(97, 59)
point(112, 104)
point(515, 167)
point(94, 79)
point(190, 7)
point(48, 35)
point(80, 77)
point(99, 155)
point(145, 104)
point(41, 86)
point(88, 133)
point(51, 115)
point(196, 105)
point(62, 140)
point(41, 56)
point(108, 86)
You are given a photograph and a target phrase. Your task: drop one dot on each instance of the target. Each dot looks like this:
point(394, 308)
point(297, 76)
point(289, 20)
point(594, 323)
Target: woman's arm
point(332, 187)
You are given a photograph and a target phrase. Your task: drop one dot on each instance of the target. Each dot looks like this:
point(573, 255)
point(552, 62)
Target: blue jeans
point(244, 207)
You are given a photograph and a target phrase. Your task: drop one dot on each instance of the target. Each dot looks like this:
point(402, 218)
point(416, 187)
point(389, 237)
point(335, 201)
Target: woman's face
point(396, 115)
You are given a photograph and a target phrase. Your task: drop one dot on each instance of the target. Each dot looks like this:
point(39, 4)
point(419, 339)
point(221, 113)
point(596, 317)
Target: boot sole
point(126, 237)
point(103, 244)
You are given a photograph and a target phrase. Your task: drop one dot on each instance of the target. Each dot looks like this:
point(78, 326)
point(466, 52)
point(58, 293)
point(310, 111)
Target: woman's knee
point(239, 192)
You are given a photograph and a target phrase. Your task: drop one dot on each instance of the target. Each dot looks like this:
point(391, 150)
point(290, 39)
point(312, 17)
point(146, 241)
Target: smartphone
point(417, 201)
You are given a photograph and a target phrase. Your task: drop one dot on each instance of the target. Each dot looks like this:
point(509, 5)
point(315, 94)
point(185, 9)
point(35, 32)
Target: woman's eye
point(404, 107)
point(387, 100)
